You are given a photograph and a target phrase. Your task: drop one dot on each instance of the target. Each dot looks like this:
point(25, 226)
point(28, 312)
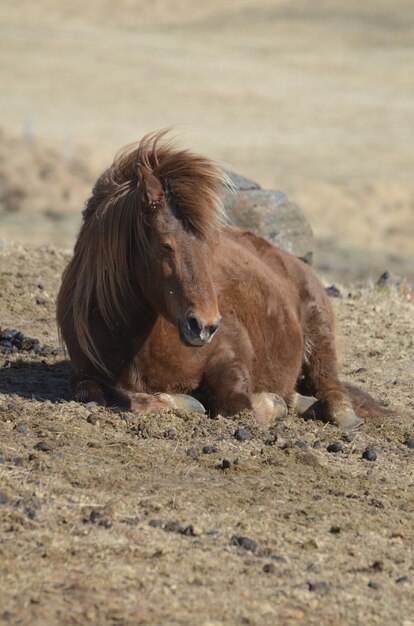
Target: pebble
point(335, 530)
point(170, 434)
point(100, 519)
point(278, 558)
point(92, 419)
point(334, 447)
point(373, 585)
point(369, 454)
point(21, 428)
point(269, 568)
point(155, 523)
point(225, 464)
point(402, 579)
point(210, 449)
point(409, 443)
point(241, 434)
point(244, 542)
point(319, 587)
point(12, 340)
point(44, 446)
point(333, 292)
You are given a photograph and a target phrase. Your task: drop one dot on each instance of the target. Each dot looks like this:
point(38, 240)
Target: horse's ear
point(151, 188)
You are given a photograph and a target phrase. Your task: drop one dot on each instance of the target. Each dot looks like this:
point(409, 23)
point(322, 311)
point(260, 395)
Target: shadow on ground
point(37, 380)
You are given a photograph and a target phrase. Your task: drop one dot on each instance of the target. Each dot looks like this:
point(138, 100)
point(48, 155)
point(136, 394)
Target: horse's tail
point(364, 405)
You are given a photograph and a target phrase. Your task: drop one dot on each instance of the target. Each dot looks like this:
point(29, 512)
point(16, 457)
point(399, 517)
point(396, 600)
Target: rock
point(334, 447)
point(241, 183)
point(210, 449)
point(241, 434)
point(333, 292)
point(271, 215)
point(409, 443)
point(100, 519)
point(44, 446)
point(369, 454)
point(269, 568)
point(401, 284)
point(321, 587)
point(225, 464)
point(244, 542)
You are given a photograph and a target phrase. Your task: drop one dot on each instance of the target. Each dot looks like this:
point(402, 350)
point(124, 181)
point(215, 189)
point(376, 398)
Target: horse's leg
point(226, 389)
point(321, 370)
point(108, 395)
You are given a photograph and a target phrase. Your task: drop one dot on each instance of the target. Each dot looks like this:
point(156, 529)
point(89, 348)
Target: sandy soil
point(112, 518)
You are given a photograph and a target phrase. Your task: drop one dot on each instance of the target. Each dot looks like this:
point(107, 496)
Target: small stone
point(369, 454)
point(409, 443)
point(100, 519)
point(377, 566)
point(319, 587)
point(278, 558)
point(170, 434)
point(333, 292)
point(335, 530)
point(21, 428)
point(225, 464)
point(373, 585)
point(211, 449)
point(40, 301)
point(174, 527)
point(92, 419)
point(401, 580)
point(90, 405)
point(155, 523)
point(244, 542)
point(44, 446)
point(269, 568)
point(241, 434)
point(334, 447)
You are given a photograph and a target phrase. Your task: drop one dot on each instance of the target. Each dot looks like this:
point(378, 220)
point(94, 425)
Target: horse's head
point(178, 277)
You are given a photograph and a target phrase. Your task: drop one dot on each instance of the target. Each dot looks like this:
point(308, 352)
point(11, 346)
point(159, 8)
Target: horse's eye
point(167, 247)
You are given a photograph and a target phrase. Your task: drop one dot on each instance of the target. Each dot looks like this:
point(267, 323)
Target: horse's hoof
point(268, 408)
point(185, 403)
point(300, 403)
point(342, 415)
point(345, 417)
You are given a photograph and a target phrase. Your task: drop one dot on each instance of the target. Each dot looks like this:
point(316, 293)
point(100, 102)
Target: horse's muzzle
point(194, 333)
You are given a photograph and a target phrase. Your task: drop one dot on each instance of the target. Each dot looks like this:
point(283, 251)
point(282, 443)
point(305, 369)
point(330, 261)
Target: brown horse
point(164, 306)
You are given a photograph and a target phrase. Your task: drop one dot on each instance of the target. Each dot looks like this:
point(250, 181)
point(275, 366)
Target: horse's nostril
point(212, 329)
point(194, 325)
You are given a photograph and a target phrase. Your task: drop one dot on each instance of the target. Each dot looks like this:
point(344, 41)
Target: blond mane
point(99, 275)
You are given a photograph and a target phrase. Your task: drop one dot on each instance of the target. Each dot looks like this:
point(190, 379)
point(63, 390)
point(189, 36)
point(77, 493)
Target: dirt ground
point(117, 518)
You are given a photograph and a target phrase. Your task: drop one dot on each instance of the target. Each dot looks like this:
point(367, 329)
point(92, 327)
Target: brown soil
point(123, 519)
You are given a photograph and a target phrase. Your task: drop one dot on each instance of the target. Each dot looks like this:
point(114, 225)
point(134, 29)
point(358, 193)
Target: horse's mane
point(99, 274)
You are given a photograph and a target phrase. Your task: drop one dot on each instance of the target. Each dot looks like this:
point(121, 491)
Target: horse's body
point(162, 298)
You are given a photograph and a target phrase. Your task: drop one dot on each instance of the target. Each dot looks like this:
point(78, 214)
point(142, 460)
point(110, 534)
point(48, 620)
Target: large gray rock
point(271, 215)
